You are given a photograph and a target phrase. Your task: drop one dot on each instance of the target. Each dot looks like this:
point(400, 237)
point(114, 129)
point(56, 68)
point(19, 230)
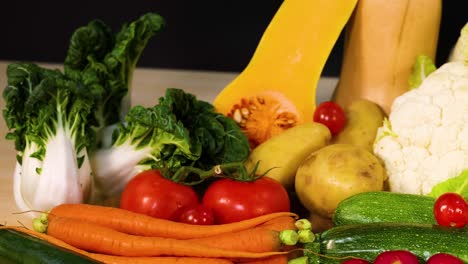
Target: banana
point(382, 40)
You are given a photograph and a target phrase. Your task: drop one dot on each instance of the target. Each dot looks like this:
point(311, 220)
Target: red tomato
point(396, 257)
point(451, 210)
point(151, 194)
point(442, 258)
point(233, 201)
point(197, 215)
point(331, 115)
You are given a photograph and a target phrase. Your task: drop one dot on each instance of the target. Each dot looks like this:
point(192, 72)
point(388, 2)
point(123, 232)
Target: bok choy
point(56, 119)
point(178, 132)
point(49, 117)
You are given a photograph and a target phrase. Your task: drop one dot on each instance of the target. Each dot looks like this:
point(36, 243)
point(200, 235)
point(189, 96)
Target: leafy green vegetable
point(41, 101)
point(220, 138)
point(105, 62)
point(458, 184)
point(49, 118)
point(56, 119)
point(421, 69)
point(177, 132)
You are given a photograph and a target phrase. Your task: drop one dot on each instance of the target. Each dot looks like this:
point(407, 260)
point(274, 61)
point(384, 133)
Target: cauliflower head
point(424, 141)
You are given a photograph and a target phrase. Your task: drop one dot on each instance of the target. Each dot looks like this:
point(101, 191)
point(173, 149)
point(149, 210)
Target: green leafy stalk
point(38, 102)
point(56, 118)
point(103, 61)
point(49, 118)
point(180, 136)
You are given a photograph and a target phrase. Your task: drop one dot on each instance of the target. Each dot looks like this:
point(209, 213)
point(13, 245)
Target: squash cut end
point(264, 115)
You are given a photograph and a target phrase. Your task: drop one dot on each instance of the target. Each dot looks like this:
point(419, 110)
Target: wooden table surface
point(148, 85)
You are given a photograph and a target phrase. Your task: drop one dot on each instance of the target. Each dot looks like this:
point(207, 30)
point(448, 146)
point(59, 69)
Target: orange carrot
point(110, 259)
point(257, 239)
point(262, 238)
point(100, 239)
point(280, 223)
point(139, 224)
point(280, 259)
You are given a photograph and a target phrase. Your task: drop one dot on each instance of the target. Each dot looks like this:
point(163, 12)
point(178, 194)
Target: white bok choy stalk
point(49, 119)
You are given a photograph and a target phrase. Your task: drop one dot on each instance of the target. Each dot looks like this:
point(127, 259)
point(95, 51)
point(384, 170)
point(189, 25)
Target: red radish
point(356, 261)
point(443, 258)
point(396, 257)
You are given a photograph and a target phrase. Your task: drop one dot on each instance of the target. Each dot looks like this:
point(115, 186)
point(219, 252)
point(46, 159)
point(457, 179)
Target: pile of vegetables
point(195, 182)
point(78, 141)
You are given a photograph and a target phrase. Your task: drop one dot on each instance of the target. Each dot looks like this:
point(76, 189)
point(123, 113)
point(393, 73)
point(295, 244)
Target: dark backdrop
point(205, 35)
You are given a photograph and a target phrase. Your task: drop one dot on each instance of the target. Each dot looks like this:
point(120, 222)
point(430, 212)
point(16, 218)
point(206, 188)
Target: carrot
point(280, 223)
point(118, 259)
point(280, 259)
point(100, 239)
point(110, 259)
point(262, 238)
point(257, 239)
point(139, 224)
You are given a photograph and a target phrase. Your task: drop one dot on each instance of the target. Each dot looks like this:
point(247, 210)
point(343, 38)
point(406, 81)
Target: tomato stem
point(234, 170)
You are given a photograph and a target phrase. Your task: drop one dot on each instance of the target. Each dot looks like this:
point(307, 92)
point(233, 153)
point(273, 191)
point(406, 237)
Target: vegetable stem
point(303, 224)
point(289, 237)
point(299, 260)
point(233, 170)
point(305, 236)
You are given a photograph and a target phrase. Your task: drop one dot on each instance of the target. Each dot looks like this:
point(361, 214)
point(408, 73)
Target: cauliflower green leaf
point(421, 69)
point(458, 184)
point(460, 50)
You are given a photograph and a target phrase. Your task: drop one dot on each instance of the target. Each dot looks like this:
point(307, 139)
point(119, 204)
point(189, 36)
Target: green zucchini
point(372, 207)
point(368, 240)
point(17, 247)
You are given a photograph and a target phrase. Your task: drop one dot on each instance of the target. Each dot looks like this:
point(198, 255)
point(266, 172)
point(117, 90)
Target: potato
point(286, 151)
point(363, 118)
point(335, 172)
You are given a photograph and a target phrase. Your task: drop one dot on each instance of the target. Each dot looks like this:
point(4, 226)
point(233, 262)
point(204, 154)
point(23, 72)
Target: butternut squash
point(277, 89)
point(382, 41)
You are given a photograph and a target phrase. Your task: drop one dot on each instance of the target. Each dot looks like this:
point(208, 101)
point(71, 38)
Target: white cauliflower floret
point(425, 139)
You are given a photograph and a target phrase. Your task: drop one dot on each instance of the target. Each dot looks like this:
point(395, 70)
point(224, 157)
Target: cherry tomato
point(443, 258)
point(356, 261)
point(197, 215)
point(451, 210)
point(233, 201)
point(396, 257)
point(151, 194)
point(331, 115)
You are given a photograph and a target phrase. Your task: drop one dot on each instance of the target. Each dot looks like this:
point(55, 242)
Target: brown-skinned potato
point(335, 172)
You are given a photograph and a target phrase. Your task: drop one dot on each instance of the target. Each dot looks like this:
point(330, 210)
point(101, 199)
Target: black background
point(203, 35)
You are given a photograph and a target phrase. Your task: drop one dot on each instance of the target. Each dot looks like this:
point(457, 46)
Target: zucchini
point(368, 240)
point(18, 247)
point(391, 207)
